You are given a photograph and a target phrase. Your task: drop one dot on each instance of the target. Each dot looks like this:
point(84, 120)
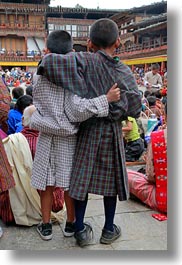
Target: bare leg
point(46, 198)
point(69, 202)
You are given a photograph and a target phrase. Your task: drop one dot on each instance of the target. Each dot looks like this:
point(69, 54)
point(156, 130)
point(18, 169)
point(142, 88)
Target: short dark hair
point(157, 94)
point(60, 42)
point(17, 92)
point(147, 93)
point(155, 66)
point(104, 33)
point(29, 90)
point(23, 102)
point(151, 100)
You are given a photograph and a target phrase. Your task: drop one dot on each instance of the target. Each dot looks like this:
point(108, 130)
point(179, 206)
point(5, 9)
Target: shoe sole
point(109, 241)
point(46, 238)
point(66, 234)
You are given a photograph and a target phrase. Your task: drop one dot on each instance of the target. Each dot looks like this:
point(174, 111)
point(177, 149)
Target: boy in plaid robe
point(99, 163)
point(55, 148)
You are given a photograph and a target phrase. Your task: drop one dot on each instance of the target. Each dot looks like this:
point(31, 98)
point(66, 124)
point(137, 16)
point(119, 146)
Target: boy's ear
point(90, 44)
point(46, 51)
point(117, 43)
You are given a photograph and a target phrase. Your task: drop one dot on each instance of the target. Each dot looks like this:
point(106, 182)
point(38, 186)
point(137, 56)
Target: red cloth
point(31, 136)
point(152, 194)
point(2, 134)
point(6, 176)
point(142, 188)
point(160, 167)
point(6, 213)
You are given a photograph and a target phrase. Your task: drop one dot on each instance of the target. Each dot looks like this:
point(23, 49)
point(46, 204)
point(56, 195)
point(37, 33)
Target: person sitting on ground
point(152, 79)
point(28, 90)
point(16, 93)
point(152, 107)
point(134, 146)
point(15, 115)
point(151, 188)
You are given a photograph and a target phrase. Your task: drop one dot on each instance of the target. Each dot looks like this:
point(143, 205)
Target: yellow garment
point(132, 135)
point(25, 200)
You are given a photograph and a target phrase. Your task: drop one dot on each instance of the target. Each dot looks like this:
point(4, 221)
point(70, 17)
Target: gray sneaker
point(45, 231)
point(108, 237)
point(84, 237)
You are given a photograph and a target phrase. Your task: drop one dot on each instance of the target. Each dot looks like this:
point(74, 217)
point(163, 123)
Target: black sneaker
point(84, 237)
point(108, 237)
point(69, 229)
point(45, 231)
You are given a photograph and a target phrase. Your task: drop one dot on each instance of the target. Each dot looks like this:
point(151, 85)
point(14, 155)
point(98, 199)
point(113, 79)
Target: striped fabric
point(99, 165)
point(31, 135)
point(5, 100)
point(6, 176)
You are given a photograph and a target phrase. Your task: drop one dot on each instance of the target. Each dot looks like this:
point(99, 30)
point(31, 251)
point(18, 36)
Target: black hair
point(23, 102)
point(147, 93)
point(17, 92)
point(60, 42)
point(104, 33)
point(151, 100)
point(29, 90)
point(157, 94)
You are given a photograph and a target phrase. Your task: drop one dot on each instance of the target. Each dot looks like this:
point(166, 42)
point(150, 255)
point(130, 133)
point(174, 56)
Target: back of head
point(104, 33)
point(17, 92)
point(23, 102)
point(60, 42)
point(147, 93)
point(29, 90)
point(151, 100)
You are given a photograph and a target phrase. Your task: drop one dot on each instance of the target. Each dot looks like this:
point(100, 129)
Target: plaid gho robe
point(99, 164)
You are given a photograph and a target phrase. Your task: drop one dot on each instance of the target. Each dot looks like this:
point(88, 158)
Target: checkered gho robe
point(55, 148)
point(99, 164)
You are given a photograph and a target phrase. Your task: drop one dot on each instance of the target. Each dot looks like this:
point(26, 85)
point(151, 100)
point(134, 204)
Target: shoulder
point(131, 119)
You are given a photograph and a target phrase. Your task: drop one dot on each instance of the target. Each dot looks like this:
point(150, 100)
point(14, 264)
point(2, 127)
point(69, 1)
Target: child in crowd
point(134, 143)
point(16, 93)
point(15, 115)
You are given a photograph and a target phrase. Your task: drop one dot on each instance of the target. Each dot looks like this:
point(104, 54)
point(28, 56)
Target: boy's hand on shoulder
point(113, 95)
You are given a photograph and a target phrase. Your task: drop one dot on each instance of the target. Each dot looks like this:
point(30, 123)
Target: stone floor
point(140, 231)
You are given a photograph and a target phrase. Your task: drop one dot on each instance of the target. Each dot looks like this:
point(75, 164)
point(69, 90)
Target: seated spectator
point(29, 90)
point(16, 93)
point(134, 146)
point(151, 188)
point(152, 107)
point(15, 115)
point(152, 79)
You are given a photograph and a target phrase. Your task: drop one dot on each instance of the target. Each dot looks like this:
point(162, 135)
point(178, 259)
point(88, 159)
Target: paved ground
point(140, 231)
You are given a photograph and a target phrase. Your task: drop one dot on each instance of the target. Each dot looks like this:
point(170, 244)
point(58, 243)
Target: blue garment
point(19, 127)
point(14, 116)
